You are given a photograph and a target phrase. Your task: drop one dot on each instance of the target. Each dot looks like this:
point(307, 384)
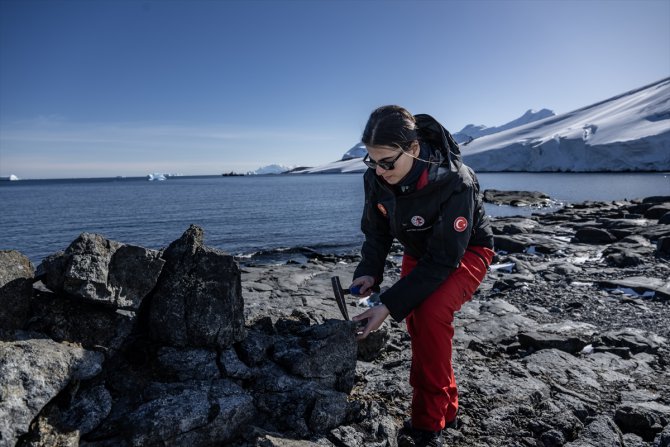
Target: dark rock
point(198, 300)
point(623, 258)
point(552, 438)
point(539, 341)
point(32, 372)
point(663, 246)
point(490, 320)
point(567, 424)
point(627, 223)
point(645, 420)
point(325, 354)
point(349, 436)
point(590, 235)
point(663, 439)
point(329, 410)
point(654, 232)
point(629, 251)
point(623, 352)
point(45, 431)
point(509, 244)
point(601, 432)
point(641, 285)
point(267, 440)
point(288, 402)
point(72, 320)
point(656, 199)
point(370, 347)
point(657, 211)
point(531, 244)
point(514, 226)
point(232, 366)
point(552, 277)
point(198, 413)
point(513, 280)
point(516, 198)
point(87, 411)
point(102, 271)
point(522, 266)
point(255, 347)
point(16, 284)
point(634, 339)
point(633, 440)
point(567, 269)
point(665, 219)
point(187, 364)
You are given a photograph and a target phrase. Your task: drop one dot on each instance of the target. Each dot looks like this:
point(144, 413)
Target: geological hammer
point(339, 293)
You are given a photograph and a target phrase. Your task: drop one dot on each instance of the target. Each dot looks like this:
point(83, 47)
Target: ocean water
point(258, 218)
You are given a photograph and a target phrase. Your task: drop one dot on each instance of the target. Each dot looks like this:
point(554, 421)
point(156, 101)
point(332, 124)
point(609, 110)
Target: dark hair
point(390, 126)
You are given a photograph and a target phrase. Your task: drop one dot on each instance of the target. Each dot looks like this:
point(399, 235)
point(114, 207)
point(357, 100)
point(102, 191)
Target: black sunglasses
point(385, 165)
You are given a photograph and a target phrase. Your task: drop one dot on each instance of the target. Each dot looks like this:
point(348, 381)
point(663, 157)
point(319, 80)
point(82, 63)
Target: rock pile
point(564, 344)
point(121, 345)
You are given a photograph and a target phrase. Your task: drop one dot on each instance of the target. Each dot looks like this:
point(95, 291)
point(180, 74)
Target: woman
point(418, 190)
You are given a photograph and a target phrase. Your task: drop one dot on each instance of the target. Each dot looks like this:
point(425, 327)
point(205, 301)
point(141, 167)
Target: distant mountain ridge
point(351, 161)
point(471, 131)
point(628, 132)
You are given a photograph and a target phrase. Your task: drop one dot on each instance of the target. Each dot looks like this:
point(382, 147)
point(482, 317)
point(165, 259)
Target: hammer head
point(339, 296)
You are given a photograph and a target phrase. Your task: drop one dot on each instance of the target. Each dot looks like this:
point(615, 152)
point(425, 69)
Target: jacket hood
point(446, 149)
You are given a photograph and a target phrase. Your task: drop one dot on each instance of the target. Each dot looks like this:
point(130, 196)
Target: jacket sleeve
point(450, 238)
point(378, 238)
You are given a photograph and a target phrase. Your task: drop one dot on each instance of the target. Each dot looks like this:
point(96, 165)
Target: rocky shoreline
point(565, 343)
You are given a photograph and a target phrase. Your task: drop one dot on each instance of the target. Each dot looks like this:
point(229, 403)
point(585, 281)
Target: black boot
point(425, 438)
point(413, 437)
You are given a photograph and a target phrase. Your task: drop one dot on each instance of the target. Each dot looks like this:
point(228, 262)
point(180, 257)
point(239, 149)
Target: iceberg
point(156, 177)
point(270, 169)
point(11, 178)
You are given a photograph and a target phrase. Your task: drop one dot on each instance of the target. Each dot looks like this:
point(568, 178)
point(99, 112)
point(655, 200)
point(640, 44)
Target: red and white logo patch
point(418, 221)
point(460, 224)
point(382, 210)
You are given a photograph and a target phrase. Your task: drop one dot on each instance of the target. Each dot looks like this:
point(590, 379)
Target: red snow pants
point(435, 398)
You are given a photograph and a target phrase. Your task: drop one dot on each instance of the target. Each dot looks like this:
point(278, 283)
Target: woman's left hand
point(375, 316)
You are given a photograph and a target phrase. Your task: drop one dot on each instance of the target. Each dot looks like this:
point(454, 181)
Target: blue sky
point(106, 88)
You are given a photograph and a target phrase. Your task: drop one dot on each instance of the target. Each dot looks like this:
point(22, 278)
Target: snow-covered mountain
point(471, 131)
point(629, 132)
point(358, 151)
point(351, 160)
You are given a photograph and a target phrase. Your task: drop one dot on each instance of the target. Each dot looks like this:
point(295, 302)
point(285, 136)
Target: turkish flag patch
point(460, 224)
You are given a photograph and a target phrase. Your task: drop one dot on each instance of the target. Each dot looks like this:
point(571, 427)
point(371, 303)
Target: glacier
point(628, 132)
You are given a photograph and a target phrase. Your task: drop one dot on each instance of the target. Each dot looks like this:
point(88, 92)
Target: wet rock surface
point(564, 344)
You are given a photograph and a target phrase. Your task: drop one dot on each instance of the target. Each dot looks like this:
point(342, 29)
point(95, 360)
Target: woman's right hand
point(365, 283)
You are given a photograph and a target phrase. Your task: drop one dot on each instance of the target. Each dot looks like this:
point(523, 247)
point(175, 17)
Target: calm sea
point(267, 217)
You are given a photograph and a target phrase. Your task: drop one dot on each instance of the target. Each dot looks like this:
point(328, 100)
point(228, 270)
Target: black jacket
point(428, 222)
